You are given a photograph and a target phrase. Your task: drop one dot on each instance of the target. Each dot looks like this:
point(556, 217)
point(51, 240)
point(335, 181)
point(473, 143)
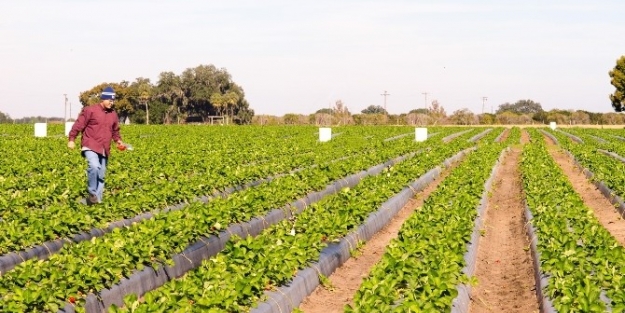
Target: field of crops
point(252, 219)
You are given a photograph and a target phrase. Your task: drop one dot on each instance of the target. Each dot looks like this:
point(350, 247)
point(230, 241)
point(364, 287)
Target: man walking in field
point(99, 124)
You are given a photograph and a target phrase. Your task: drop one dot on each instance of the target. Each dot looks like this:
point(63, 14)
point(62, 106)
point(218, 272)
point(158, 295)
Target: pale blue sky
point(300, 56)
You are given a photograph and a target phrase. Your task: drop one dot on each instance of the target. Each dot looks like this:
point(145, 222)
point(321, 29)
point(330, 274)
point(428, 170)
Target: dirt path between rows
point(504, 136)
point(504, 268)
point(525, 136)
point(347, 279)
point(548, 139)
point(603, 210)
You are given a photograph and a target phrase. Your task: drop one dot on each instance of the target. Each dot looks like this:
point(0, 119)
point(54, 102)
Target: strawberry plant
point(581, 259)
point(101, 262)
point(422, 267)
point(236, 279)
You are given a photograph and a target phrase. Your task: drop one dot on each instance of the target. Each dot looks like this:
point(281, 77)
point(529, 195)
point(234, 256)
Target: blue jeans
point(95, 173)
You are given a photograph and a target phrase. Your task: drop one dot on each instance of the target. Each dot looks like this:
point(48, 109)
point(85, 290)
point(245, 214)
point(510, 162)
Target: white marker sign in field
point(325, 134)
point(421, 134)
point(41, 129)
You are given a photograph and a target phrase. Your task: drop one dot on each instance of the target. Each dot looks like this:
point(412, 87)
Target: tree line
point(522, 112)
point(196, 95)
point(201, 93)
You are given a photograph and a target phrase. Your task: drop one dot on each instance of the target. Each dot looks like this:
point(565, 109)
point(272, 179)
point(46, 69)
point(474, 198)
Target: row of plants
point(37, 286)
point(606, 134)
point(26, 227)
point(605, 168)
point(421, 269)
point(166, 157)
point(583, 263)
point(236, 279)
point(605, 140)
point(161, 159)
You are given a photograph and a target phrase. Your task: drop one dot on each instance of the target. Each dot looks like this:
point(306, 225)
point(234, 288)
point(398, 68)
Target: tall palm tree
point(172, 92)
point(231, 99)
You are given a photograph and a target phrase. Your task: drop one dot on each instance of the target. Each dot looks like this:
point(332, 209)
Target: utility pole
point(385, 94)
point(483, 100)
point(65, 95)
point(426, 100)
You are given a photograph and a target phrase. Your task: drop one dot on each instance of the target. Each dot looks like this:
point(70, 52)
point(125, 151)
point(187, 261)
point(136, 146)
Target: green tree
point(204, 83)
point(197, 93)
point(219, 103)
point(487, 119)
point(244, 114)
point(200, 83)
point(225, 103)
point(374, 109)
point(5, 118)
point(419, 111)
point(231, 99)
point(122, 103)
point(325, 111)
point(157, 111)
point(541, 117)
point(169, 89)
point(595, 118)
point(140, 93)
point(521, 107)
point(617, 79)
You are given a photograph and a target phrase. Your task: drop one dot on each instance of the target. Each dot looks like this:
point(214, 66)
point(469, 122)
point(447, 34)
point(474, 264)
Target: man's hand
point(71, 145)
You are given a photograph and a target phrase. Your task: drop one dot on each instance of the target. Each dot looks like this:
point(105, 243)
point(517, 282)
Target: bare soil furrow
point(346, 280)
point(603, 210)
point(504, 268)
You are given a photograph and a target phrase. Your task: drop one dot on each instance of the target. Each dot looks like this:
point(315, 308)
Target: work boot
point(92, 199)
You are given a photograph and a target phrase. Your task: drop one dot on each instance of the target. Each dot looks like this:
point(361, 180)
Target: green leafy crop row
point(420, 270)
point(75, 271)
point(580, 258)
point(236, 279)
point(605, 168)
point(167, 180)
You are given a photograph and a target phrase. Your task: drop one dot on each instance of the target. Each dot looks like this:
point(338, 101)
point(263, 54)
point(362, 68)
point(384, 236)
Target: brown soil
point(346, 280)
point(525, 136)
point(604, 211)
point(548, 140)
point(504, 267)
point(506, 133)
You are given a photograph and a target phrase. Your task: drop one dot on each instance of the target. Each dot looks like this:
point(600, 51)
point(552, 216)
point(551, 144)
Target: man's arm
point(116, 135)
point(78, 126)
